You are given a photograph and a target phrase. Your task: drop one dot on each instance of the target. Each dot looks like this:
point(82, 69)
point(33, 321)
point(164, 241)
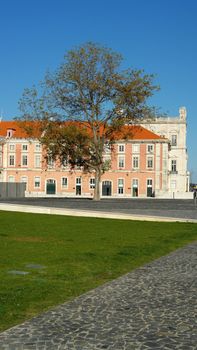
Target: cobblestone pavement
point(153, 307)
point(175, 208)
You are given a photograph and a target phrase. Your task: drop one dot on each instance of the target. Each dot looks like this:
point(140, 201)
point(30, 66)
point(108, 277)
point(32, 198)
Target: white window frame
point(24, 177)
point(12, 147)
point(78, 180)
point(39, 181)
point(9, 133)
point(37, 147)
point(26, 180)
point(135, 148)
point(149, 183)
point(134, 158)
point(149, 158)
point(173, 184)
point(121, 162)
point(65, 163)
point(35, 161)
point(9, 158)
point(24, 147)
point(107, 147)
point(24, 156)
point(174, 166)
point(92, 183)
point(135, 184)
point(120, 186)
point(66, 184)
point(12, 178)
point(121, 148)
point(174, 140)
point(150, 148)
point(50, 162)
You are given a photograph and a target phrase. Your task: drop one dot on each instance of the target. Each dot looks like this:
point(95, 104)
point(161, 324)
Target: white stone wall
point(177, 182)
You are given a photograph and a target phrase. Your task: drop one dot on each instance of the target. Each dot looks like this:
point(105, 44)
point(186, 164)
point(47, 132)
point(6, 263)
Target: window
point(24, 147)
point(11, 178)
point(50, 162)
point(37, 182)
point(135, 188)
point(65, 163)
point(9, 132)
point(121, 162)
point(107, 147)
point(149, 182)
point(11, 160)
point(149, 162)
point(173, 184)
point(135, 162)
point(121, 148)
point(37, 147)
point(150, 148)
point(37, 161)
point(24, 180)
point(136, 148)
point(174, 166)
point(174, 140)
point(78, 180)
point(92, 183)
point(120, 186)
point(135, 182)
point(64, 182)
point(12, 148)
point(24, 160)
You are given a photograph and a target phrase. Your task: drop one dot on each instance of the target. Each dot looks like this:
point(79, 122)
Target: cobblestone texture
point(153, 307)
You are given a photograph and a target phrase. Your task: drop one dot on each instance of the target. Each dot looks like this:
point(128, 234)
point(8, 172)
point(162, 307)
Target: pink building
point(138, 166)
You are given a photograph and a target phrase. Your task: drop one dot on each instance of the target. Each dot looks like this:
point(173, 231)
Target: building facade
point(148, 164)
point(175, 130)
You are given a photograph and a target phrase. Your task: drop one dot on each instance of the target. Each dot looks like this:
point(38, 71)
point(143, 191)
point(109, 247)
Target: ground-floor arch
point(106, 188)
point(50, 186)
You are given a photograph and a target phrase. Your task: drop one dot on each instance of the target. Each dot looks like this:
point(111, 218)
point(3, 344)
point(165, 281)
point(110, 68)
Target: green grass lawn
point(78, 254)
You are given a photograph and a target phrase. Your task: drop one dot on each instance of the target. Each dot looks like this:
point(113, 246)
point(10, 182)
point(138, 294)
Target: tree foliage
point(80, 106)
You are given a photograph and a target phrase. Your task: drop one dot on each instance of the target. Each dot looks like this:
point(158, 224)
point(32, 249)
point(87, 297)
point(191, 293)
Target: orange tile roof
point(136, 132)
point(129, 132)
point(18, 131)
point(11, 125)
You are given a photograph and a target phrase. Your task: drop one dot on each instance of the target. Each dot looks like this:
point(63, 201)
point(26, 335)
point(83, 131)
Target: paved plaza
point(153, 207)
point(153, 307)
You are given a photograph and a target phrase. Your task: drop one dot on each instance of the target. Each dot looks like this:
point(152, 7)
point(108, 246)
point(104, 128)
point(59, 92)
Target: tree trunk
point(97, 196)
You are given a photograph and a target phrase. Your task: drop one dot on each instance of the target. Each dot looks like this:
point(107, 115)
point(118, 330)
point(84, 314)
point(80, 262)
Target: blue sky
point(159, 36)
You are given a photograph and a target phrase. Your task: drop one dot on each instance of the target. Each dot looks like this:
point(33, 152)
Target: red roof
point(136, 132)
point(17, 131)
point(129, 132)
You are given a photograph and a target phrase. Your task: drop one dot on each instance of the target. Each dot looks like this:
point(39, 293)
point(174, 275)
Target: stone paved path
point(153, 307)
point(174, 208)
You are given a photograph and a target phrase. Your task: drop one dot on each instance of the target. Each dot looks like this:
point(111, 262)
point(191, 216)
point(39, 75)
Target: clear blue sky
point(159, 36)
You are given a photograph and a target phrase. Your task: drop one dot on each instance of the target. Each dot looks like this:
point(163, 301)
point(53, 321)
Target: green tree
point(95, 98)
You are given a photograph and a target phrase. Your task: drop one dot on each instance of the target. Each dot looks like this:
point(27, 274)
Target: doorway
point(106, 188)
point(51, 186)
point(149, 188)
point(135, 188)
point(78, 186)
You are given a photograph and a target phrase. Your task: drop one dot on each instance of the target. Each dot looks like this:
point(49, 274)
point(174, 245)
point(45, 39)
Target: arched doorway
point(50, 186)
point(106, 188)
